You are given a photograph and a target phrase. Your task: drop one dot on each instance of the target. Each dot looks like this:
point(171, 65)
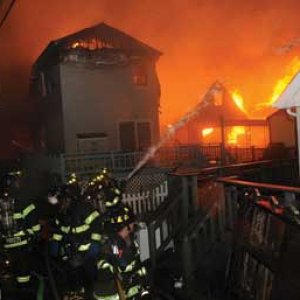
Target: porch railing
point(266, 240)
point(193, 155)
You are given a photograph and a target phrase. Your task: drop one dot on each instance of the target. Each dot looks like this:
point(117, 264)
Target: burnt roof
point(227, 110)
point(107, 34)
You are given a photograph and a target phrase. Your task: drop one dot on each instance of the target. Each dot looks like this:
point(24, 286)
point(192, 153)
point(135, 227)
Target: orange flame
point(238, 100)
point(282, 83)
point(235, 132)
point(207, 131)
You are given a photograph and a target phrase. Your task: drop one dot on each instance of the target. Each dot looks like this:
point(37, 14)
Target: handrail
point(270, 186)
point(210, 170)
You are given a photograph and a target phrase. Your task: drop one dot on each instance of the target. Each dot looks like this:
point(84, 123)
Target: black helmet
point(72, 188)
point(10, 181)
point(112, 197)
point(120, 217)
point(104, 178)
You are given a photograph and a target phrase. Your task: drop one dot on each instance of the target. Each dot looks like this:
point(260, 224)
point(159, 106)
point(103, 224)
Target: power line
point(7, 12)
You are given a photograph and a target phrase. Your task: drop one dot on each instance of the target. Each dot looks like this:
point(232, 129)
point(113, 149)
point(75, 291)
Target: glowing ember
point(207, 131)
point(238, 100)
point(235, 133)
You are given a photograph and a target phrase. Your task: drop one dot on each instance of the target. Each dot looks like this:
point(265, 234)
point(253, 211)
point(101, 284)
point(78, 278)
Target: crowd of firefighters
point(86, 247)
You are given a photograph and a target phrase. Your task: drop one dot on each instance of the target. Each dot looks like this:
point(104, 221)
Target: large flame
point(234, 134)
point(238, 100)
point(207, 131)
point(291, 70)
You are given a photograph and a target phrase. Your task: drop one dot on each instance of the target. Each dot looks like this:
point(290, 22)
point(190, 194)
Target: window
point(135, 136)
point(144, 135)
point(139, 75)
point(92, 142)
point(127, 136)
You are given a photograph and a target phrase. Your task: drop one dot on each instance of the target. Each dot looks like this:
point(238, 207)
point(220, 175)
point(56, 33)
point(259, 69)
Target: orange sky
point(236, 42)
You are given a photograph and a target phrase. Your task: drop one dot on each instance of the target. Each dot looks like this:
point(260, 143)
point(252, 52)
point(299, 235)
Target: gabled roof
point(227, 110)
point(291, 95)
point(107, 34)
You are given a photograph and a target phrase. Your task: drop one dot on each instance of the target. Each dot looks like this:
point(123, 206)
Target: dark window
point(139, 75)
point(144, 135)
point(127, 136)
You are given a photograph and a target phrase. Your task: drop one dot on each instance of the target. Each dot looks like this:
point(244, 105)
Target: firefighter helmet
point(72, 188)
point(112, 196)
point(10, 182)
point(120, 217)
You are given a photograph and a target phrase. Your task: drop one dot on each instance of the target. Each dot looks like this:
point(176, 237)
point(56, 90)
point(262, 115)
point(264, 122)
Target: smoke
point(286, 48)
point(202, 41)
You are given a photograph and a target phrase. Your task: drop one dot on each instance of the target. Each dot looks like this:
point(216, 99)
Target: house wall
point(282, 129)
point(96, 99)
point(50, 133)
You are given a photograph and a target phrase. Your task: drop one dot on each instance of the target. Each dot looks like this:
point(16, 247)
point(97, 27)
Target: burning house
point(97, 91)
point(224, 120)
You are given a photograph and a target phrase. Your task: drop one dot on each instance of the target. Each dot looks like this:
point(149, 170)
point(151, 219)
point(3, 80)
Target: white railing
point(147, 201)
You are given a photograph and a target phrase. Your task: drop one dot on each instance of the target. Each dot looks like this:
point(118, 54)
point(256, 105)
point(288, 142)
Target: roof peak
point(104, 36)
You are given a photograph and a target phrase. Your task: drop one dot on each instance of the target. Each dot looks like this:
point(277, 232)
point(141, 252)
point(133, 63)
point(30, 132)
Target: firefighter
point(105, 190)
point(76, 239)
point(121, 274)
point(19, 228)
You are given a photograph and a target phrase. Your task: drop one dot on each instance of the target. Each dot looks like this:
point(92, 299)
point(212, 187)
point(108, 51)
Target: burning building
point(224, 120)
point(97, 91)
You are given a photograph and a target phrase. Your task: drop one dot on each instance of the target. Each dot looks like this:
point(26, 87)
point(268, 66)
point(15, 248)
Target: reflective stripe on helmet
point(112, 203)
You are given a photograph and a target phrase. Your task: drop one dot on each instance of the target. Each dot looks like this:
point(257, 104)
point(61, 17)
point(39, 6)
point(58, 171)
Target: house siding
point(282, 129)
point(97, 99)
